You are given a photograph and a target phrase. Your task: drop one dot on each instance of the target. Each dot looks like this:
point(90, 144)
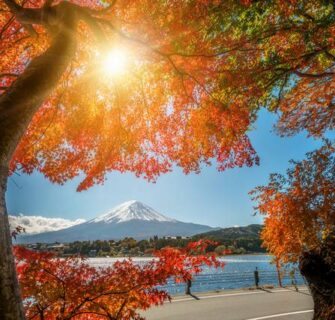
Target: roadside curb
point(230, 293)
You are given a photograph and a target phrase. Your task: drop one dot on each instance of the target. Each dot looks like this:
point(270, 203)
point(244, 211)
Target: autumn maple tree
point(61, 114)
point(299, 224)
point(94, 86)
point(68, 288)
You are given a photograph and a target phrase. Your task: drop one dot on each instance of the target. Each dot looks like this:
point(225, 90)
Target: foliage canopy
point(299, 207)
point(69, 288)
point(198, 72)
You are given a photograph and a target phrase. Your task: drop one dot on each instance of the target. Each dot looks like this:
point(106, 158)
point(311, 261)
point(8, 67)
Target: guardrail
point(233, 280)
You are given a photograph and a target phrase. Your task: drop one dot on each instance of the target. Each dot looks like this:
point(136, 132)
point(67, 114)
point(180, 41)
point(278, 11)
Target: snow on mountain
point(129, 219)
point(131, 210)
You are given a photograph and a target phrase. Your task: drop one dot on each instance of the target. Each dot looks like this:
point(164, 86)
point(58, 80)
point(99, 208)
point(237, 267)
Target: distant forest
point(237, 240)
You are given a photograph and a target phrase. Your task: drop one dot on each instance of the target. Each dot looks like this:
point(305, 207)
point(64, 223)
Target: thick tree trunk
point(318, 267)
point(17, 107)
point(10, 306)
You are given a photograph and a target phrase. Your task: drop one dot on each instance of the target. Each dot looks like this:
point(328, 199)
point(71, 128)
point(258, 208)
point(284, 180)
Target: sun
point(115, 62)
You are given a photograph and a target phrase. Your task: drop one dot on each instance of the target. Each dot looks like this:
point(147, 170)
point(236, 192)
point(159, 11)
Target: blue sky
point(211, 197)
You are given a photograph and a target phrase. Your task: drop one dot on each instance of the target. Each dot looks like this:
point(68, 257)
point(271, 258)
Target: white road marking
point(280, 315)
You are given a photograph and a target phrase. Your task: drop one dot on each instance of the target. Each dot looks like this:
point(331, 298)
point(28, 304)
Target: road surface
point(278, 304)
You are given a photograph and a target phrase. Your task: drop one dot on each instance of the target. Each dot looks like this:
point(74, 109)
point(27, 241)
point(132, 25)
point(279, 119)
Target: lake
point(238, 273)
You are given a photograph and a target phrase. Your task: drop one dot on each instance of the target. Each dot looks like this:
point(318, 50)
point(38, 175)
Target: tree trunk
point(278, 269)
point(17, 107)
point(318, 267)
point(10, 306)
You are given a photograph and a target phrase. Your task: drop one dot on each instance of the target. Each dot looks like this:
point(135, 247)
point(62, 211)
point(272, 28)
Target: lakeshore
point(238, 273)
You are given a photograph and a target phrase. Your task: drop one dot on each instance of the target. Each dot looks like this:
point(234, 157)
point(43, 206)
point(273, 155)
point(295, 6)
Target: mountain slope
point(131, 210)
point(130, 219)
point(251, 232)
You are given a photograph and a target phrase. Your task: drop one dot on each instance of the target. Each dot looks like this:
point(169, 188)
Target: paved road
point(278, 304)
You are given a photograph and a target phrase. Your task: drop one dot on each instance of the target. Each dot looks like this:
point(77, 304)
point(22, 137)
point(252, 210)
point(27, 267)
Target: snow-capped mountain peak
point(132, 210)
point(129, 219)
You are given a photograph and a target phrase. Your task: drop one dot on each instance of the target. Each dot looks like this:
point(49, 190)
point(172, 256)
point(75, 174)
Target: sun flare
point(115, 62)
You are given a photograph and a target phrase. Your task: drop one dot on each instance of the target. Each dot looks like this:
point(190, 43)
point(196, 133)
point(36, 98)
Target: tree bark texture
point(318, 267)
point(10, 306)
point(17, 107)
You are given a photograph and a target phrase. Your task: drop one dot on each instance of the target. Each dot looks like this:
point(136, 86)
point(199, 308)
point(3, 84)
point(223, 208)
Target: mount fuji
point(131, 210)
point(129, 219)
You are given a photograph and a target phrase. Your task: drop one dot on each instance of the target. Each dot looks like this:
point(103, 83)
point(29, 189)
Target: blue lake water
point(237, 273)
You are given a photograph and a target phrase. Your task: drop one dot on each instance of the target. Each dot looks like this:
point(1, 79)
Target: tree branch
point(13, 6)
point(313, 75)
point(121, 308)
point(6, 26)
point(3, 75)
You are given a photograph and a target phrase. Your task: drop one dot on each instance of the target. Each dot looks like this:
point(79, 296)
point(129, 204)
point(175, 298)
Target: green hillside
point(251, 231)
point(247, 238)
